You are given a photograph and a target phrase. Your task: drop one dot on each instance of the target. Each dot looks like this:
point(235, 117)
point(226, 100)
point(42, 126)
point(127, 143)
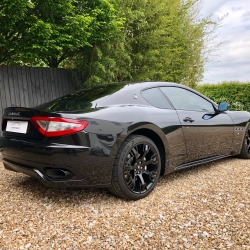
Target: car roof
point(107, 95)
point(144, 85)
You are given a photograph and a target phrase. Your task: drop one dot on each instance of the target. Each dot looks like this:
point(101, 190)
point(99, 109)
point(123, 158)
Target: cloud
point(246, 14)
point(210, 7)
point(233, 61)
point(245, 17)
point(236, 8)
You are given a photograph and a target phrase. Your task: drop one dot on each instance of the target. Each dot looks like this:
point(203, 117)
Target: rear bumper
point(47, 181)
point(88, 165)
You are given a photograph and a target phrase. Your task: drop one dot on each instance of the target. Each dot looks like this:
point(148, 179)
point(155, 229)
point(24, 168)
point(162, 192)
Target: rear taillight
point(55, 126)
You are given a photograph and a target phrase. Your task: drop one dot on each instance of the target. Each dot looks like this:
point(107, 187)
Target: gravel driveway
point(205, 207)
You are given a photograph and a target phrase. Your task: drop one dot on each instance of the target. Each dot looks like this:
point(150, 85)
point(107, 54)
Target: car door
point(207, 132)
point(166, 118)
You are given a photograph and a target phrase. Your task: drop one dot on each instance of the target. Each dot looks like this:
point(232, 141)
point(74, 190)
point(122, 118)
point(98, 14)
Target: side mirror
point(223, 106)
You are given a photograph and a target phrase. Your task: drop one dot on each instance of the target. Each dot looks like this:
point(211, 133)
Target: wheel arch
point(157, 139)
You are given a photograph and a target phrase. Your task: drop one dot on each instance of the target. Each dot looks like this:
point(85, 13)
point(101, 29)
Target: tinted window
point(187, 100)
point(156, 98)
point(97, 97)
point(85, 98)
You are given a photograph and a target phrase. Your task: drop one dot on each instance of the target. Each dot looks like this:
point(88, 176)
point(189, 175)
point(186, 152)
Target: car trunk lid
point(16, 122)
point(35, 124)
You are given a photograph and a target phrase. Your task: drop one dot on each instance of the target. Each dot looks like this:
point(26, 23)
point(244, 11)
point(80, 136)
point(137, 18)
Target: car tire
point(136, 169)
point(245, 149)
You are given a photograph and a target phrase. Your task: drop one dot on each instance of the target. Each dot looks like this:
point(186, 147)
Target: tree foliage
point(14, 20)
point(235, 93)
point(56, 30)
point(109, 40)
point(160, 40)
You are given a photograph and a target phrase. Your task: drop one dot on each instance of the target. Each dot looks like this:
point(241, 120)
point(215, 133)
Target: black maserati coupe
point(121, 136)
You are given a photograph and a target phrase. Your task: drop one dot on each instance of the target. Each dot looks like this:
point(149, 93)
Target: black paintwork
point(184, 137)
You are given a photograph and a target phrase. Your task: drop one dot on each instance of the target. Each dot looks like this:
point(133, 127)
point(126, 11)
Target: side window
point(187, 100)
point(155, 97)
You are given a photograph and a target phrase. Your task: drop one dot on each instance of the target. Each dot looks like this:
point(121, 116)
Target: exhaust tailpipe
point(56, 173)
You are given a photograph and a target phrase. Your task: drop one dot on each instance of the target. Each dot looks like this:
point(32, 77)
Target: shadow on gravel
point(31, 187)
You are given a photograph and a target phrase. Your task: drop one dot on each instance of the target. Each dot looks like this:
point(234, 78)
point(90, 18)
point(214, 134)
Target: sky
point(232, 60)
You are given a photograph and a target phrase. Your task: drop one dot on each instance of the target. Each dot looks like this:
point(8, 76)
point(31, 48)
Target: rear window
point(84, 99)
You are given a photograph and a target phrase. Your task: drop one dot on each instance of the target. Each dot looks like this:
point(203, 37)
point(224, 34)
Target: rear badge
point(14, 113)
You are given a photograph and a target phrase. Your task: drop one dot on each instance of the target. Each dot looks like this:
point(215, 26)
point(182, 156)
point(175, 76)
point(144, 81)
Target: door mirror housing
point(223, 106)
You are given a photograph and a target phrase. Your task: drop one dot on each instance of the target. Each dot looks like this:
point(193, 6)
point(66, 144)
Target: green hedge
point(237, 94)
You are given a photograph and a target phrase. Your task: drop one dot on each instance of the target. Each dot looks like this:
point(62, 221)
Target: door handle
point(188, 119)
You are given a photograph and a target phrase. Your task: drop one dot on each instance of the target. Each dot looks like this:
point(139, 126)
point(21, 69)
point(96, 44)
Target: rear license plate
point(17, 127)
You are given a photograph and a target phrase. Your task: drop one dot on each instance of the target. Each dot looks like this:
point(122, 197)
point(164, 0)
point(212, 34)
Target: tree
point(166, 39)
point(57, 30)
point(109, 40)
point(14, 21)
point(160, 40)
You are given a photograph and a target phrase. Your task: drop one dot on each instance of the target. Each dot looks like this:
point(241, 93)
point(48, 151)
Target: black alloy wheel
point(137, 168)
point(245, 150)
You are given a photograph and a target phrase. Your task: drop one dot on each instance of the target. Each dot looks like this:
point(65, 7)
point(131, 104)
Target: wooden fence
point(29, 86)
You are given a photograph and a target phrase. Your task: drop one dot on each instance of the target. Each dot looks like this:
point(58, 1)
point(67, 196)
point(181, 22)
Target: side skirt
point(194, 163)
